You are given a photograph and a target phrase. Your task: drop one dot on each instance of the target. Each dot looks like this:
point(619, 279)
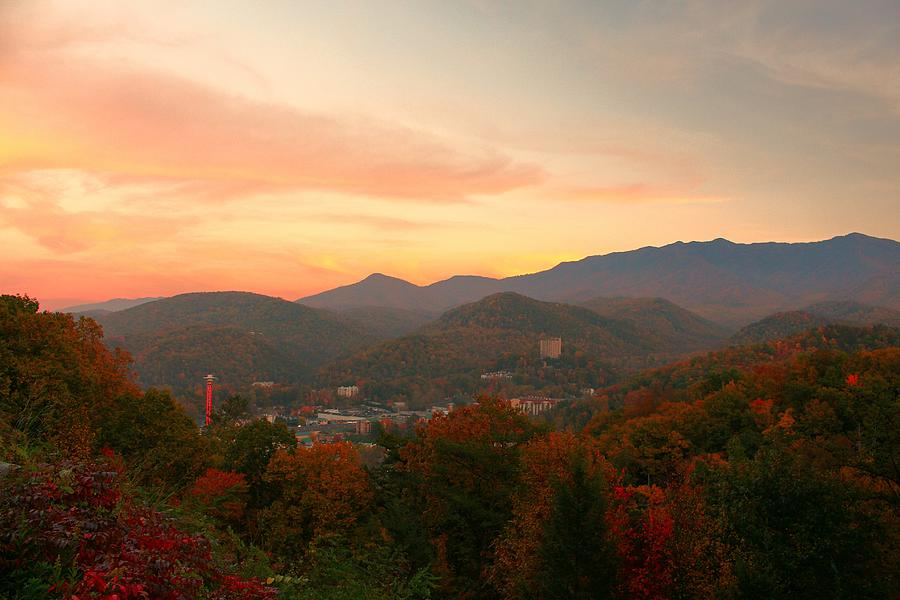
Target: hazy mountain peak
point(381, 277)
point(720, 280)
point(111, 305)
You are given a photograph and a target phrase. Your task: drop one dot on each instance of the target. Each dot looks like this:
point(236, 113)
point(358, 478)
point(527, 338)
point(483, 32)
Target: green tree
point(160, 443)
point(801, 533)
point(233, 409)
point(577, 557)
point(466, 465)
point(248, 449)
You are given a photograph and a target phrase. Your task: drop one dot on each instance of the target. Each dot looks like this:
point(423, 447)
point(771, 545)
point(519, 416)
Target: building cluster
point(496, 375)
point(551, 347)
point(534, 405)
point(334, 424)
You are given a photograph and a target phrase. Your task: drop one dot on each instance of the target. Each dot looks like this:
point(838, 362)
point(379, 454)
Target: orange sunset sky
point(152, 148)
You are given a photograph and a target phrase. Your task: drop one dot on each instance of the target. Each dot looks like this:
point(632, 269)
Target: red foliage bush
point(73, 515)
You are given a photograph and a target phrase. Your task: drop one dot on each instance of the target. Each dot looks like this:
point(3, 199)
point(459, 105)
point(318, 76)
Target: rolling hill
point(785, 324)
point(382, 290)
point(722, 281)
point(666, 323)
point(500, 332)
point(238, 336)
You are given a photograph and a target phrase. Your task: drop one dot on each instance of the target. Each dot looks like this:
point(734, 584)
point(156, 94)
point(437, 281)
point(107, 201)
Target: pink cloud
point(37, 213)
point(138, 125)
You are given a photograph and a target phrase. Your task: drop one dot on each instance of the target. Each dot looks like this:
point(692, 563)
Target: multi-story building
point(497, 375)
point(551, 347)
point(347, 391)
point(534, 405)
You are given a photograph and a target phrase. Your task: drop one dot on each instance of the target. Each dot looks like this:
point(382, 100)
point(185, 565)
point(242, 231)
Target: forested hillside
point(502, 332)
point(668, 325)
point(781, 325)
point(238, 336)
point(384, 322)
point(757, 472)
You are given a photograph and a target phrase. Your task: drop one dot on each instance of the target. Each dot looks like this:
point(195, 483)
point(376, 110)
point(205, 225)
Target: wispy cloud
point(128, 123)
point(32, 208)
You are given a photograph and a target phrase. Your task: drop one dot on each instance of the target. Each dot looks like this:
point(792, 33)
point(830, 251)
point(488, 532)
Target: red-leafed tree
point(221, 494)
point(642, 528)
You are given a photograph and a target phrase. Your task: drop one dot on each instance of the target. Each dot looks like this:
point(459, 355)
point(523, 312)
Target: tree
point(161, 444)
point(560, 474)
point(220, 494)
point(466, 467)
point(56, 376)
point(248, 448)
point(577, 557)
point(802, 533)
point(232, 410)
point(321, 492)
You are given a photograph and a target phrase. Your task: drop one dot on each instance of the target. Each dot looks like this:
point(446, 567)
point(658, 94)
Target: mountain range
point(725, 282)
point(243, 337)
point(400, 339)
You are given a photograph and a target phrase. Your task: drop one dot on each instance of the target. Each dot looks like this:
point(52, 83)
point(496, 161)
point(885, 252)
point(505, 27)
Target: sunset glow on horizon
point(155, 148)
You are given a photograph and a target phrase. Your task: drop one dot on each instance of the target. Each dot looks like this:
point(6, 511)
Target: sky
point(282, 147)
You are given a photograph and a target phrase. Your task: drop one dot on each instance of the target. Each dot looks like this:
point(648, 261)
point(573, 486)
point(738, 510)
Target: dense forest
point(765, 471)
point(420, 358)
point(239, 336)
point(601, 342)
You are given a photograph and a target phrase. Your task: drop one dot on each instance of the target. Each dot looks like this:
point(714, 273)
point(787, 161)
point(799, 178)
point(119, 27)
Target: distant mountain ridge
point(720, 280)
point(113, 305)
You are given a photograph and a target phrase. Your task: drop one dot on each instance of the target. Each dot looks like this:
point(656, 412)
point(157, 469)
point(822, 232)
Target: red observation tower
point(209, 389)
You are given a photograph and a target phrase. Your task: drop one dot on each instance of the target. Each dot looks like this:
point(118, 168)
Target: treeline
point(774, 477)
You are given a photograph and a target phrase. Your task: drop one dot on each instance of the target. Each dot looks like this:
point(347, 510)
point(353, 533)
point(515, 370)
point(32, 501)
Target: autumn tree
point(320, 492)
point(56, 376)
point(220, 494)
point(247, 449)
point(556, 543)
point(466, 467)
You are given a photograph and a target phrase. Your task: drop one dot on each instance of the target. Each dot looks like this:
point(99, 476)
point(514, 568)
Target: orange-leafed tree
point(557, 543)
point(57, 378)
point(220, 494)
point(702, 559)
point(322, 491)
